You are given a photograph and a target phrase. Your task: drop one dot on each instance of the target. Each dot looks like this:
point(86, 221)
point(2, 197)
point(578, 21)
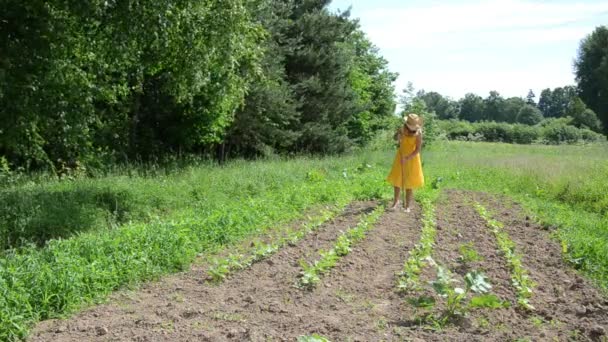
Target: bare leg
point(396, 199)
point(409, 194)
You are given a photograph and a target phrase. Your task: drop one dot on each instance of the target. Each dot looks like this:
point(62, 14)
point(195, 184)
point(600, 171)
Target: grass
point(205, 209)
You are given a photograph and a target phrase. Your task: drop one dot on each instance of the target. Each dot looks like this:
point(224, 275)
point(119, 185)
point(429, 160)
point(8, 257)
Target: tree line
point(560, 102)
point(584, 105)
point(98, 82)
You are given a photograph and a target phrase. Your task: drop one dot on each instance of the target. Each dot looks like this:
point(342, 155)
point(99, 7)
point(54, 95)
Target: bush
point(549, 131)
point(494, 131)
point(529, 115)
point(559, 134)
point(524, 134)
point(455, 129)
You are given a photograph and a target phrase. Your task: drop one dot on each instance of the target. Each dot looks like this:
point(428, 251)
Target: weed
point(468, 254)
point(483, 322)
point(537, 321)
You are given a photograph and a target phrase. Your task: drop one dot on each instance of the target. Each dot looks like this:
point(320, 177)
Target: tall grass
point(175, 216)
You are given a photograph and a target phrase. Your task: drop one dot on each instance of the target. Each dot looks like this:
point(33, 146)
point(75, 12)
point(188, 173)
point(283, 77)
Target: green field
point(76, 240)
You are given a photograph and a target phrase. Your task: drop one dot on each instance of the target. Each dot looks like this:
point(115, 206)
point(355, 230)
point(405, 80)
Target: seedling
point(468, 254)
point(313, 338)
point(456, 296)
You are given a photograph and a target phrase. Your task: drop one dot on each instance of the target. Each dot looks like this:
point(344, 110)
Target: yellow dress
point(412, 169)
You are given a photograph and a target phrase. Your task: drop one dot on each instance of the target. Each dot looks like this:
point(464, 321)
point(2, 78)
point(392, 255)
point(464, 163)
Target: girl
point(406, 172)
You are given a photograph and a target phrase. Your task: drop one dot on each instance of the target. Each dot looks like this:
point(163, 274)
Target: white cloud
point(461, 46)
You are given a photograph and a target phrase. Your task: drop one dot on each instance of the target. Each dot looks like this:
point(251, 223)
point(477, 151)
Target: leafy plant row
point(409, 277)
point(519, 276)
point(222, 267)
point(311, 273)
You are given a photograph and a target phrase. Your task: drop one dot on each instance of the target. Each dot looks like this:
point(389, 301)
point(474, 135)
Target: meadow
point(68, 243)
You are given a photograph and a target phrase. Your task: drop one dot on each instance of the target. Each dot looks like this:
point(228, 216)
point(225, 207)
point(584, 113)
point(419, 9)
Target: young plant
point(468, 254)
point(309, 275)
point(409, 278)
point(456, 304)
point(313, 338)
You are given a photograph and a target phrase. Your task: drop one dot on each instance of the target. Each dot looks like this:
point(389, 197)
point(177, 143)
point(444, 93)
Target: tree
point(442, 106)
point(553, 103)
point(583, 117)
point(529, 115)
point(512, 107)
point(414, 104)
point(372, 83)
point(267, 121)
point(494, 107)
point(591, 69)
point(530, 98)
point(318, 69)
point(472, 108)
point(544, 102)
point(128, 78)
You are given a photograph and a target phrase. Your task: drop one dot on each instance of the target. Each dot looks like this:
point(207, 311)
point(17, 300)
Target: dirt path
point(357, 301)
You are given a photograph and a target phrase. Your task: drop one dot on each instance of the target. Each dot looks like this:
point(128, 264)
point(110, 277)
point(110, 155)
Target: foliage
point(554, 103)
point(471, 108)
point(529, 115)
point(416, 105)
point(313, 338)
point(443, 107)
point(120, 79)
point(456, 303)
point(583, 117)
point(101, 83)
point(468, 254)
point(549, 131)
point(591, 69)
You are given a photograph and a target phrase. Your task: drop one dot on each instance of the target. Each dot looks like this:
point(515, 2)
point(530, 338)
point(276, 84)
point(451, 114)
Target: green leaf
point(426, 302)
point(477, 282)
point(313, 338)
point(488, 301)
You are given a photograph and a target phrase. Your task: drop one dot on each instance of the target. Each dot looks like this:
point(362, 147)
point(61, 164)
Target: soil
point(357, 300)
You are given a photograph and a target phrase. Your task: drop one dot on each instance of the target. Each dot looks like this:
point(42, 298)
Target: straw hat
point(413, 122)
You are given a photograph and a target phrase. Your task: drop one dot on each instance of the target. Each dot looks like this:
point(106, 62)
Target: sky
point(456, 47)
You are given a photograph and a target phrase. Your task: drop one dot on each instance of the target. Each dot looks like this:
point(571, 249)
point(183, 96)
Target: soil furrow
point(184, 307)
